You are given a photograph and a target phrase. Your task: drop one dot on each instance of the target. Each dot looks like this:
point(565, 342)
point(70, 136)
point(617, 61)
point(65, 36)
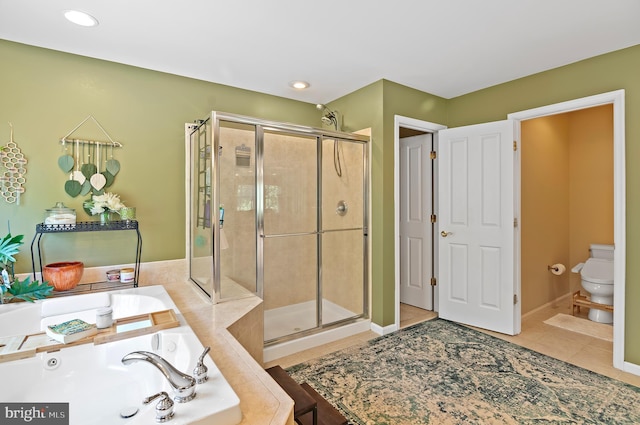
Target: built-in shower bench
point(310, 408)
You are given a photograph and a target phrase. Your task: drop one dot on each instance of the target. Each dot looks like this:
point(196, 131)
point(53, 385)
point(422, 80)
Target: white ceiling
point(443, 47)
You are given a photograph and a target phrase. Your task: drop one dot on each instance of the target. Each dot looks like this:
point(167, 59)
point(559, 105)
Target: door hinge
point(515, 299)
point(433, 281)
point(515, 145)
point(432, 155)
point(433, 218)
point(515, 222)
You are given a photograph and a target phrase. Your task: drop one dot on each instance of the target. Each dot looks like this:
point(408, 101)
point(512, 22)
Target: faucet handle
point(200, 371)
point(164, 408)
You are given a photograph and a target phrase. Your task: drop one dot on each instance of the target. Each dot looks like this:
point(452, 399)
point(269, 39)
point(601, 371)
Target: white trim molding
point(414, 124)
point(617, 99)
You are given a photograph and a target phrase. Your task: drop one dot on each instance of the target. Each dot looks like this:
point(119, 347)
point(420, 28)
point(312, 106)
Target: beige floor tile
point(410, 315)
point(595, 359)
point(627, 377)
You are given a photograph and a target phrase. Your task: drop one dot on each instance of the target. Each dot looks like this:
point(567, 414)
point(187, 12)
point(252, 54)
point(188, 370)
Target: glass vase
point(105, 217)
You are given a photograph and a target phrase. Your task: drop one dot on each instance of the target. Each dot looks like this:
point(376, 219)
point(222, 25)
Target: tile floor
point(581, 350)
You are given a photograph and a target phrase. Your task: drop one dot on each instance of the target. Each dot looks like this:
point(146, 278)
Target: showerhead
point(329, 117)
point(326, 120)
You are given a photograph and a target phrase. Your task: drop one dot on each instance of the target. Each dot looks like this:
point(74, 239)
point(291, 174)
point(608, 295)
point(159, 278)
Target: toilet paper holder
point(557, 269)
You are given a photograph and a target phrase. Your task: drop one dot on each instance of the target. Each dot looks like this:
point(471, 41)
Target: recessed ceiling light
point(81, 18)
point(300, 85)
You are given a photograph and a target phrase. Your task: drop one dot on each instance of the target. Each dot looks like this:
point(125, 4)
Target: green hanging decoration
point(86, 188)
point(73, 188)
point(66, 163)
point(108, 178)
point(87, 177)
point(113, 165)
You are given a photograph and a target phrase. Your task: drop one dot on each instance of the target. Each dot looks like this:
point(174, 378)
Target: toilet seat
point(598, 270)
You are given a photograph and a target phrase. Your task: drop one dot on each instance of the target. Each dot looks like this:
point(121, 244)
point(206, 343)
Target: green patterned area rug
point(439, 372)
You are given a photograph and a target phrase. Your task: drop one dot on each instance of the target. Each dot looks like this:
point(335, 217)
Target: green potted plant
point(11, 287)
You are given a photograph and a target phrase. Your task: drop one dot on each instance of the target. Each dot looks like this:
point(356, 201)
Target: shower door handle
point(284, 235)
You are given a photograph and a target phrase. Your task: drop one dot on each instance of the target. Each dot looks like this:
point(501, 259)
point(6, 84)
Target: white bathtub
point(92, 378)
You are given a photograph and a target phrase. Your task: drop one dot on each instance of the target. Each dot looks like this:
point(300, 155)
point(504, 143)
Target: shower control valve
point(342, 208)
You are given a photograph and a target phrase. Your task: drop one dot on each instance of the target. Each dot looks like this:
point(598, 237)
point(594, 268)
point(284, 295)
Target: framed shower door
point(314, 242)
point(289, 233)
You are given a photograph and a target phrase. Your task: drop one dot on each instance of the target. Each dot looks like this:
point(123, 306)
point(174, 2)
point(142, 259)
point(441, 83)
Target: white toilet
point(597, 280)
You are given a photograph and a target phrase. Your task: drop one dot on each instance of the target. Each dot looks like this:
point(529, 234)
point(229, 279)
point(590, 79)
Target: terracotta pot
point(64, 275)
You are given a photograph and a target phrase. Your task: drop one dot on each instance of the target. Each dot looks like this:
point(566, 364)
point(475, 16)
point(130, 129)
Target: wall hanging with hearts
point(85, 177)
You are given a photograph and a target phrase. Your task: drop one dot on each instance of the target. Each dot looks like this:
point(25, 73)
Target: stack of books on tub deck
point(71, 331)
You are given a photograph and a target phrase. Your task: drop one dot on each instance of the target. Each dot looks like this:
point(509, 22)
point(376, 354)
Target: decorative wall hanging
point(15, 167)
point(85, 177)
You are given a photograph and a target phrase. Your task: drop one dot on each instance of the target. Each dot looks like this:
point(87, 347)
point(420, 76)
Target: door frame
point(428, 127)
point(616, 98)
point(423, 297)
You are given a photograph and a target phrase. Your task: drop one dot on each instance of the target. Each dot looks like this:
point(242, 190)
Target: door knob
point(445, 234)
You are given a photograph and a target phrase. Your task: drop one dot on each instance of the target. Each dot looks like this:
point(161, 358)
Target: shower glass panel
point(290, 285)
point(342, 273)
point(343, 250)
point(200, 236)
point(236, 197)
point(290, 203)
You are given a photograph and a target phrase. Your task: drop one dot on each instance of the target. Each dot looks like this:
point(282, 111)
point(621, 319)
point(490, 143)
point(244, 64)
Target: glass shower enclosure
point(280, 211)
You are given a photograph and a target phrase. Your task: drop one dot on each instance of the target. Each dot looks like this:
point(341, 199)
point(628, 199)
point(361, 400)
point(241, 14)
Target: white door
point(477, 282)
point(415, 221)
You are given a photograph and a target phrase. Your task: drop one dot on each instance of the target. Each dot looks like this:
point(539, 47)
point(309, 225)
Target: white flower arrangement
point(104, 203)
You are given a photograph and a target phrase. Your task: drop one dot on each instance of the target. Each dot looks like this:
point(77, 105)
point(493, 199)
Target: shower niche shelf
point(87, 226)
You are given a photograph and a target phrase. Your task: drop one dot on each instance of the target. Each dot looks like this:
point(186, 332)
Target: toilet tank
point(601, 251)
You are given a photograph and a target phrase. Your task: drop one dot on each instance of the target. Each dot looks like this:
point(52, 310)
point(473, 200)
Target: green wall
point(375, 107)
point(46, 93)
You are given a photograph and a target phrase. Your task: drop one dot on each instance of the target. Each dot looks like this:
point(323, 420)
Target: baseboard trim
point(383, 330)
point(542, 307)
point(631, 368)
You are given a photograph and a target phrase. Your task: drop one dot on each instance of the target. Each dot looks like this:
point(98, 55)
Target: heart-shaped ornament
point(97, 181)
point(72, 187)
point(66, 162)
point(109, 178)
point(78, 176)
point(88, 170)
point(86, 187)
point(113, 166)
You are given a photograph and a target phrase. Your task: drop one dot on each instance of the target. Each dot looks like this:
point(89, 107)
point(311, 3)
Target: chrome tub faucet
point(183, 385)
